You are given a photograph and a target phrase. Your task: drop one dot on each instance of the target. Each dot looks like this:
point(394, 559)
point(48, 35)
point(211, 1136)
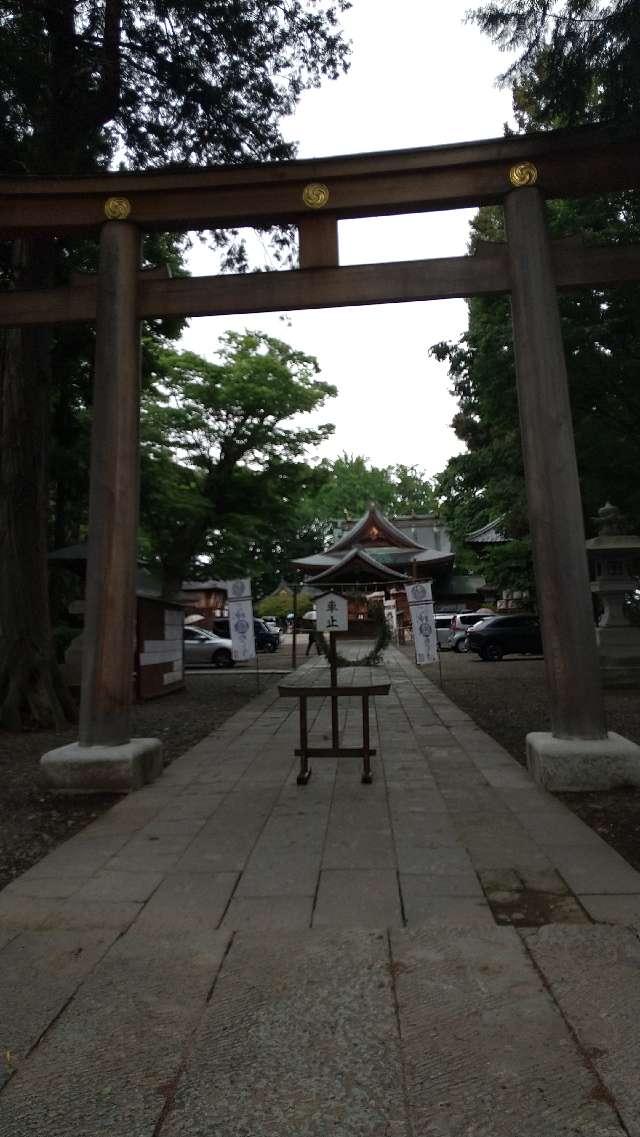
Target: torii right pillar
point(579, 753)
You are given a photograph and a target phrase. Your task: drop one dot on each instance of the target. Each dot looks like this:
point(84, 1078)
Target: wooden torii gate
point(516, 172)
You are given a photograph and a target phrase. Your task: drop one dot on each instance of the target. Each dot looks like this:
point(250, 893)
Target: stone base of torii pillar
point(103, 769)
point(578, 764)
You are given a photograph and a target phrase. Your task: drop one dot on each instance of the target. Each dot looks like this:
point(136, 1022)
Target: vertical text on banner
point(423, 622)
point(243, 644)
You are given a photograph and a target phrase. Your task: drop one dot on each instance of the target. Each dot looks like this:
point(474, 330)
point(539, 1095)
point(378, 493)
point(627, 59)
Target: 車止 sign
point(332, 613)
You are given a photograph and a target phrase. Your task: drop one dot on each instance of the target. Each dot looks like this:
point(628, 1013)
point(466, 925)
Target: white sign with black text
point(423, 622)
point(243, 643)
point(332, 613)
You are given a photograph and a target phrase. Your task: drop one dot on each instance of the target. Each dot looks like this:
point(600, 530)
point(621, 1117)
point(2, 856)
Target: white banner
point(423, 622)
point(391, 616)
point(243, 644)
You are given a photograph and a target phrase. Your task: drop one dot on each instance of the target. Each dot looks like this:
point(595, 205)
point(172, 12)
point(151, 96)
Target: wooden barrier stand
point(334, 692)
point(335, 750)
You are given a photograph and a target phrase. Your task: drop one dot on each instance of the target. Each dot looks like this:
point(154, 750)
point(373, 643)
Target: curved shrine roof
point(357, 564)
point(374, 528)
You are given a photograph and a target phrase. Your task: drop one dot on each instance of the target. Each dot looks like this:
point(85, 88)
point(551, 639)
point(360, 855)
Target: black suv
point(266, 640)
point(506, 635)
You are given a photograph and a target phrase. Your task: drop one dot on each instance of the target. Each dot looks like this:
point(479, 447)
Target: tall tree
point(152, 81)
point(241, 460)
point(353, 483)
point(576, 62)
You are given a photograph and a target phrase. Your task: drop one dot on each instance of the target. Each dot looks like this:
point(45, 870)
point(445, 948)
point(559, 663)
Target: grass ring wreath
point(371, 659)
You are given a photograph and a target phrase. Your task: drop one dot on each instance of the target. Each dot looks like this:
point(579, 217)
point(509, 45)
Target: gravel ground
point(509, 699)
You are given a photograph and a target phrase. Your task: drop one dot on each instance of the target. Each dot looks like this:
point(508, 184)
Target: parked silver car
point(202, 647)
point(459, 626)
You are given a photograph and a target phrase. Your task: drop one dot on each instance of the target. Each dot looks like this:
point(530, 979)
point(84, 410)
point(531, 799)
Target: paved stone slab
point(116, 885)
point(6, 936)
point(185, 903)
point(39, 972)
point(486, 1050)
point(226, 841)
point(426, 828)
point(560, 829)
point(109, 1062)
point(525, 801)
point(532, 909)
point(358, 898)
point(281, 874)
point(47, 887)
point(447, 881)
point(300, 1040)
point(594, 869)
point(363, 846)
point(76, 858)
point(21, 912)
point(505, 777)
point(609, 909)
point(433, 860)
point(412, 794)
point(452, 900)
point(593, 975)
point(72, 913)
point(268, 913)
point(518, 853)
point(171, 827)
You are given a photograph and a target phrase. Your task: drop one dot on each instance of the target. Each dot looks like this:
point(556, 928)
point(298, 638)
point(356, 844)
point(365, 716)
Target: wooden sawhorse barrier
point(304, 751)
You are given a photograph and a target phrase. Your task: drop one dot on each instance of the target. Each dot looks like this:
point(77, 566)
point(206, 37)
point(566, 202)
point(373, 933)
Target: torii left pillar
point(106, 758)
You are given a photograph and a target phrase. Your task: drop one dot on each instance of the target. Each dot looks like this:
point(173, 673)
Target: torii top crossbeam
point(570, 164)
point(314, 195)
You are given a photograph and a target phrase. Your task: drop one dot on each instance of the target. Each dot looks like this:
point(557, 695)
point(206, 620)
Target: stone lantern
point(615, 562)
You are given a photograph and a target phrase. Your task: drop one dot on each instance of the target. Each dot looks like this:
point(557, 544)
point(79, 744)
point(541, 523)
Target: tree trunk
point(32, 692)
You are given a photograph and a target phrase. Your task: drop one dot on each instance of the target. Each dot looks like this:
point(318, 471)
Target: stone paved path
point(448, 952)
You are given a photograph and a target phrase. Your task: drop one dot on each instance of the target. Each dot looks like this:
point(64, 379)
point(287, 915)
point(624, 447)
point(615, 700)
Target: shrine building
point(379, 555)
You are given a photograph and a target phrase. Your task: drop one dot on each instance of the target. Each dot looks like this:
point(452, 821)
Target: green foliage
point(164, 82)
point(282, 604)
point(372, 658)
point(510, 566)
point(352, 484)
point(223, 466)
point(577, 62)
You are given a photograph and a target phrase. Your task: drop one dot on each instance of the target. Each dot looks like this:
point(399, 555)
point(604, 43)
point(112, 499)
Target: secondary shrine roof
point(356, 564)
point(489, 534)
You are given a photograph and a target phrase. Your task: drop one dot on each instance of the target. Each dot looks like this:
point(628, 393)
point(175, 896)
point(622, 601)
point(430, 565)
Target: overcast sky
point(419, 76)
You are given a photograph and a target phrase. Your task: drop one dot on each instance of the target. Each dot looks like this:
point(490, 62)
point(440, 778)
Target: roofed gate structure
point(375, 551)
point(380, 553)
